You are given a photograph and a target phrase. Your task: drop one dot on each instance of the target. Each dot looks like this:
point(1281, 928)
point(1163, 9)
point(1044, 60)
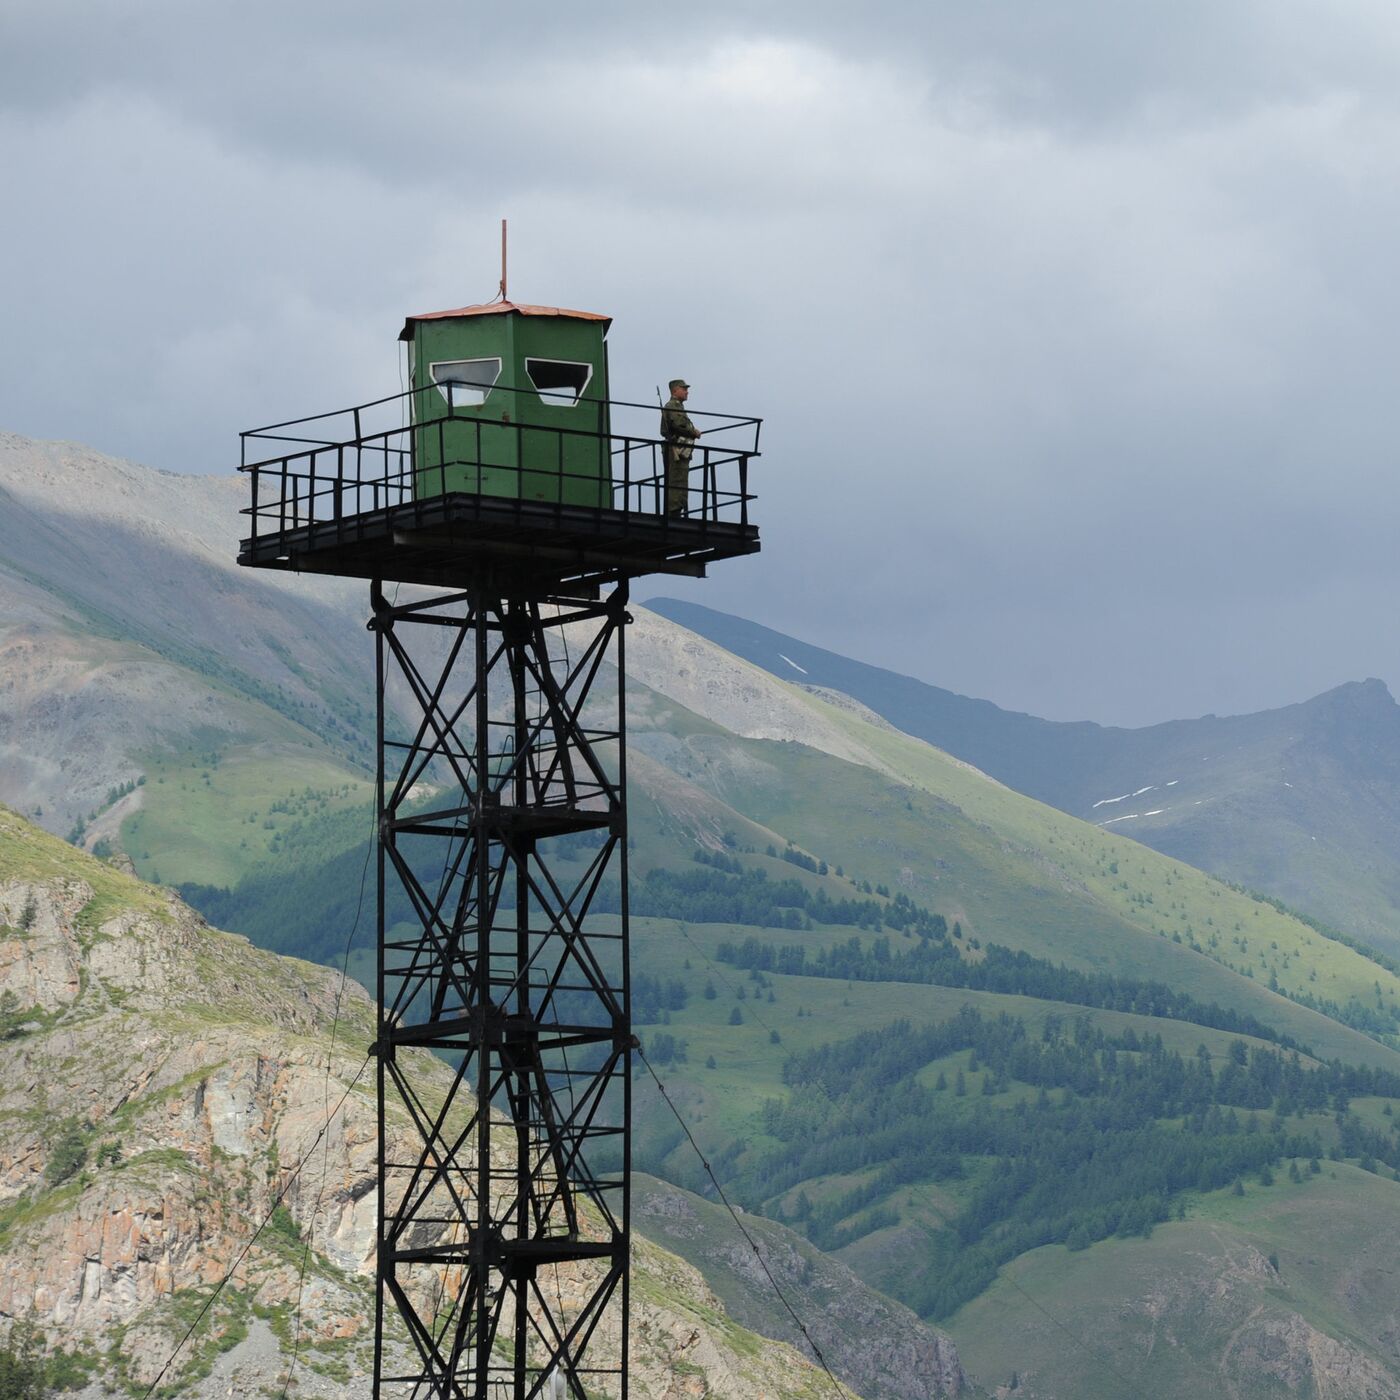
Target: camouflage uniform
point(679, 434)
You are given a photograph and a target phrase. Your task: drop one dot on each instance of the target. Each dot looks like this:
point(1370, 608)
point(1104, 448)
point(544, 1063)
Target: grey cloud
point(1072, 324)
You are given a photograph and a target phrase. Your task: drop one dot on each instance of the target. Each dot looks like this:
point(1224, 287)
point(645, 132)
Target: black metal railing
point(356, 461)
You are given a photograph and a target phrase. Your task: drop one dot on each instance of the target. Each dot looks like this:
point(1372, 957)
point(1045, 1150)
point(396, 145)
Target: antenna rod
point(503, 260)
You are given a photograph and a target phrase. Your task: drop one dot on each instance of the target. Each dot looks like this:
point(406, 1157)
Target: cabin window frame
point(485, 390)
point(552, 398)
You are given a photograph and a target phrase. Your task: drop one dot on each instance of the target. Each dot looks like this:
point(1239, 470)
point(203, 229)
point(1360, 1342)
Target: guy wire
point(325, 1099)
point(841, 1392)
point(252, 1239)
point(325, 1096)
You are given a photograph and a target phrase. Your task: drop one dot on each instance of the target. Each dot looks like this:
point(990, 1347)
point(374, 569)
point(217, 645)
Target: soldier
point(679, 434)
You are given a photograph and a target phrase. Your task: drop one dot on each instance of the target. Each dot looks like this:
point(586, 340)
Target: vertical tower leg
point(504, 1161)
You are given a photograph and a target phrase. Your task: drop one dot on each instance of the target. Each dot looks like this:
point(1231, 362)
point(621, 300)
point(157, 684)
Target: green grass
point(723, 1104)
point(1168, 1314)
point(1016, 872)
point(27, 853)
point(210, 818)
point(1147, 889)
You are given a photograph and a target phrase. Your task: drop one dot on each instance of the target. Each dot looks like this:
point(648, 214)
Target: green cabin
point(510, 400)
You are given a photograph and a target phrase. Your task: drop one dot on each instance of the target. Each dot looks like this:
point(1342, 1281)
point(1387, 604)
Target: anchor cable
point(325, 1099)
point(801, 1326)
point(253, 1238)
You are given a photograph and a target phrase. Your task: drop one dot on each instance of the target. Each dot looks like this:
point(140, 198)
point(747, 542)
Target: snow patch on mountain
point(1109, 801)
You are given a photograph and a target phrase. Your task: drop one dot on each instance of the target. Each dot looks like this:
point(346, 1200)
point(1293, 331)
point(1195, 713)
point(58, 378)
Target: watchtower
point(500, 508)
point(526, 390)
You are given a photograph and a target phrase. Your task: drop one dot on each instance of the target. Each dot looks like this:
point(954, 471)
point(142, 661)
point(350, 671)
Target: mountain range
point(1302, 802)
point(1098, 1117)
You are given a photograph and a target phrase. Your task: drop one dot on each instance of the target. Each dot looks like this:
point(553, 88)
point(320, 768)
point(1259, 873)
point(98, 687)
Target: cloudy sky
point(1073, 324)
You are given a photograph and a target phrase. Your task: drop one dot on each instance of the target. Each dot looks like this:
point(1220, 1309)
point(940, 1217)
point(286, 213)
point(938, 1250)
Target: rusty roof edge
point(501, 308)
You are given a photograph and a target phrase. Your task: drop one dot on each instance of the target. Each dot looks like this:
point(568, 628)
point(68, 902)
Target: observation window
point(559, 382)
point(465, 383)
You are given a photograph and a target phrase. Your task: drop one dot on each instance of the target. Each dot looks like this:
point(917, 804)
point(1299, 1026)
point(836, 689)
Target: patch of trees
point(653, 998)
point(723, 891)
point(1001, 969)
point(114, 795)
point(1380, 1023)
point(665, 1049)
point(1114, 1130)
point(28, 1373)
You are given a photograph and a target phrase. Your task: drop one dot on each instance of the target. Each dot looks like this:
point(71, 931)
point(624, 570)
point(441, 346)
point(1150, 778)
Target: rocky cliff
point(841, 1313)
point(161, 1084)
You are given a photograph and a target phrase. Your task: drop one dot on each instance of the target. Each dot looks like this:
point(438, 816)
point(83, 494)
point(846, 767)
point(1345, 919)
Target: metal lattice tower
point(502, 967)
point(504, 1180)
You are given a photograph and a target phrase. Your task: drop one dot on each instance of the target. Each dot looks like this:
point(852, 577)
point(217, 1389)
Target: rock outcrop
point(163, 1085)
point(843, 1316)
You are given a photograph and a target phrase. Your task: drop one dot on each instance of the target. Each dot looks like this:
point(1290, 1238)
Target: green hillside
point(1302, 802)
point(1070, 1041)
point(214, 815)
point(1246, 1295)
point(1018, 873)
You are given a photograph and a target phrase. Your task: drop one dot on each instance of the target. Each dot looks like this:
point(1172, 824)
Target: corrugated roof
point(502, 308)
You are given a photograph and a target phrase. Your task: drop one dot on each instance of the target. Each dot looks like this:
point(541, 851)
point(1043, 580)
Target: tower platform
point(364, 505)
point(447, 540)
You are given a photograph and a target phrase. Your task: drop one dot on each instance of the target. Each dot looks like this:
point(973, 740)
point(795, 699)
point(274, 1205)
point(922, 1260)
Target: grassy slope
point(1024, 874)
point(28, 853)
point(1299, 801)
point(722, 1103)
point(208, 815)
point(748, 1063)
point(1149, 890)
point(1165, 1313)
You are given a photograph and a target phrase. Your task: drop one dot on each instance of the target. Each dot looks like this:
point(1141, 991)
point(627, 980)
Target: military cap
point(678, 384)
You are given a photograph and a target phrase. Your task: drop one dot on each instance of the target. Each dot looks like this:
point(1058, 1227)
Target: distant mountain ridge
point(1301, 802)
